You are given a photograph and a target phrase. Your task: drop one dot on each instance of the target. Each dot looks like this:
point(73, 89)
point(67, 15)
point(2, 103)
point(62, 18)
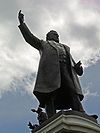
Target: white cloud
point(89, 92)
point(16, 61)
point(15, 66)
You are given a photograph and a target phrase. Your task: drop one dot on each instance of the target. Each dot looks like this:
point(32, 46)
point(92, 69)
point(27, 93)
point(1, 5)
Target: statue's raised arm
point(28, 36)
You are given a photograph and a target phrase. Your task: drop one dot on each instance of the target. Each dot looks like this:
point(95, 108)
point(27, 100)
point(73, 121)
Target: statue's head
point(52, 36)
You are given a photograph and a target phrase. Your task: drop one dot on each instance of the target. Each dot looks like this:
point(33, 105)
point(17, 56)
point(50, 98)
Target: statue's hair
point(51, 32)
point(48, 37)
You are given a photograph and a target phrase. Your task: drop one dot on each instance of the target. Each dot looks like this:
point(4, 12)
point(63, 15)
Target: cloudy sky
point(77, 22)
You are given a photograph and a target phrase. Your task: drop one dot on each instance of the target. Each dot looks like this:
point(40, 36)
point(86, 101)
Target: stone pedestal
point(69, 122)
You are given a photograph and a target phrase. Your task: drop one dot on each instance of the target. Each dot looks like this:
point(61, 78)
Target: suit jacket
point(48, 77)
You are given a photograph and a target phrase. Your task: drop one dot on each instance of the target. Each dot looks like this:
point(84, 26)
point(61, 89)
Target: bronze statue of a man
point(57, 85)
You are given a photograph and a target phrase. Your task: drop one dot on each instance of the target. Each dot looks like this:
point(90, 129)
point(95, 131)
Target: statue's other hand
point(78, 68)
point(21, 17)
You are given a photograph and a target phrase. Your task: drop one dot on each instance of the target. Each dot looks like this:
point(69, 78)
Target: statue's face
point(53, 36)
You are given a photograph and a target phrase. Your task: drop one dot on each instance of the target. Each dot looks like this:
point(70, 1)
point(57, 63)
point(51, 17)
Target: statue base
point(69, 122)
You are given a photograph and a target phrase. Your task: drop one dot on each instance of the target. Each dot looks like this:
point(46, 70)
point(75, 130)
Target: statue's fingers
point(80, 62)
point(20, 12)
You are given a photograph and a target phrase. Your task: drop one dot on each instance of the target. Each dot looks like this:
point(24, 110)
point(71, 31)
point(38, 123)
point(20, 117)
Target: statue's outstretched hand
point(21, 17)
point(78, 68)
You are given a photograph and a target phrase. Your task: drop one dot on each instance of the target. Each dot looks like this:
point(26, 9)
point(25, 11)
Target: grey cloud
point(93, 5)
point(41, 13)
point(23, 82)
point(88, 34)
point(7, 10)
